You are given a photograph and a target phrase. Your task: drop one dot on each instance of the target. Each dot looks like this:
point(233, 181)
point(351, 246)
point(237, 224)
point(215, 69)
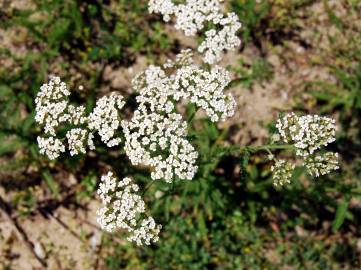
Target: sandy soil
point(65, 240)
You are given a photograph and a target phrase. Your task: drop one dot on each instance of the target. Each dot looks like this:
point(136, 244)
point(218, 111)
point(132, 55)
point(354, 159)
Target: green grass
point(230, 216)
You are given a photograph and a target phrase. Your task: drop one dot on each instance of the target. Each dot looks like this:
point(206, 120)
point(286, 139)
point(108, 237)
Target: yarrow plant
point(156, 135)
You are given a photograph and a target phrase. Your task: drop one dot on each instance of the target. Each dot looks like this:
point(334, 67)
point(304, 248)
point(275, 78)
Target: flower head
point(124, 209)
point(53, 109)
point(218, 41)
point(51, 104)
point(282, 172)
point(321, 164)
point(205, 89)
point(51, 146)
point(192, 16)
point(159, 92)
point(121, 203)
point(159, 141)
point(308, 133)
point(105, 118)
point(78, 139)
point(146, 233)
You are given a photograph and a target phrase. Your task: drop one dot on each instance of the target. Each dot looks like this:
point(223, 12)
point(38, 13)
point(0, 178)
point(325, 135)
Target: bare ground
point(69, 237)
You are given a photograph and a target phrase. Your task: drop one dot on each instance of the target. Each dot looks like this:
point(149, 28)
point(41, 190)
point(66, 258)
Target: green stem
point(147, 187)
point(269, 147)
point(190, 117)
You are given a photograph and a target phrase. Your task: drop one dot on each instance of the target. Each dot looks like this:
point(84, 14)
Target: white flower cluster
point(51, 105)
point(125, 209)
point(146, 233)
point(53, 109)
point(156, 135)
point(282, 172)
point(153, 86)
point(78, 138)
point(165, 7)
point(77, 115)
point(105, 118)
point(159, 141)
point(204, 88)
point(218, 41)
point(321, 164)
point(308, 134)
point(52, 147)
point(192, 16)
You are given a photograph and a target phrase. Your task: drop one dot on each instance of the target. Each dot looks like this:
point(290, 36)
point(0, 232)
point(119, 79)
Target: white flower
point(147, 233)
point(159, 141)
point(282, 172)
point(77, 139)
point(156, 135)
point(159, 92)
point(105, 118)
point(192, 16)
point(53, 109)
point(51, 104)
point(165, 7)
point(153, 86)
point(122, 205)
point(124, 209)
point(321, 164)
point(77, 114)
point(218, 41)
point(52, 147)
point(307, 133)
point(205, 89)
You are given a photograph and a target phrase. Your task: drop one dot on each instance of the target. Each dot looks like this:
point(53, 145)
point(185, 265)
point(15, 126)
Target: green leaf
point(58, 32)
point(321, 95)
point(244, 159)
point(10, 144)
point(191, 112)
point(341, 213)
point(5, 91)
point(52, 184)
point(28, 123)
point(202, 224)
point(88, 183)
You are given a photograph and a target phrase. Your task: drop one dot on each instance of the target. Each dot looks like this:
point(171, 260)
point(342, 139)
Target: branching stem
point(269, 147)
